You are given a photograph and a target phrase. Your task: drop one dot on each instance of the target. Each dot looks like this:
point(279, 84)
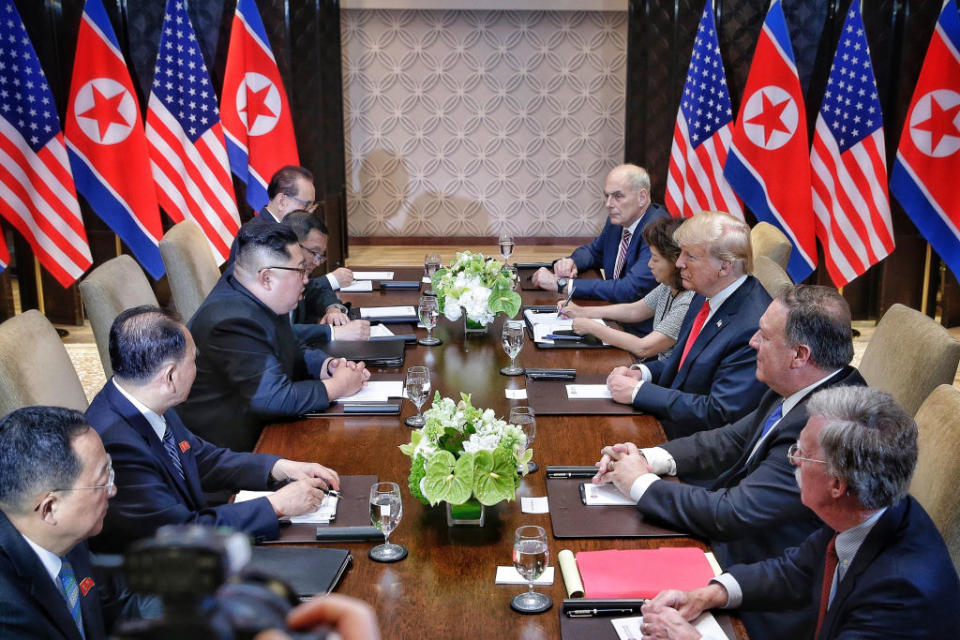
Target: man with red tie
point(709, 378)
point(878, 569)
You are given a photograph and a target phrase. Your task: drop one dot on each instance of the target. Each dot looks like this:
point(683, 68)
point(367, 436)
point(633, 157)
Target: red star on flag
point(940, 124)
point(770, 118)
point(257, 105)
point(105, 111)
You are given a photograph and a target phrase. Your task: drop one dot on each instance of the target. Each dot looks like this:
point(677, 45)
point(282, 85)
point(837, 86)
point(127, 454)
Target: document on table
point(373, 313)
point(380, 331)
point(588, 391)
point(376, 391)
point(515, 394)
point(373, 275)
point(545, 323)
point(325, 513)
point(509, 575)
point(358, 286)
point(605, 494)
point(534, 505)
point(706, 624)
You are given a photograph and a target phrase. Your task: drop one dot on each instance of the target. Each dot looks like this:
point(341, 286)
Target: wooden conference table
point(445, 587)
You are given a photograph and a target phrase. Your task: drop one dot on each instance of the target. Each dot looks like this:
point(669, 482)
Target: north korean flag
point(768, 164)
point(927, 165)
point(106, 141)
point(254, 108)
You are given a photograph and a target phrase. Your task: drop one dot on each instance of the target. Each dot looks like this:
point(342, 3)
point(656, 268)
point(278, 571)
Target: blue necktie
point(772, 419)
point(173, 451)
point(68, 581)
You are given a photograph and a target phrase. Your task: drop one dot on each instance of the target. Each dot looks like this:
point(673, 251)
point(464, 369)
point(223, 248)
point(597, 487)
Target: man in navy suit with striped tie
point(162, 468)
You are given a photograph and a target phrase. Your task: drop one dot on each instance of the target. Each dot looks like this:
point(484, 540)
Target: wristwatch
point(562, 284)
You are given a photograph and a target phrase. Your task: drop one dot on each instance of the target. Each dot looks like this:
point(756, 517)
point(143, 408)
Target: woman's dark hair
point(659, 235)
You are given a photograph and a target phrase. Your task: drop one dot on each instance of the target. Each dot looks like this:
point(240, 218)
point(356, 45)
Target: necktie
point(622, 254)
point(173, 451)
point(772, 419)
point(829, 568)
point(71, 592)
point(695, 330)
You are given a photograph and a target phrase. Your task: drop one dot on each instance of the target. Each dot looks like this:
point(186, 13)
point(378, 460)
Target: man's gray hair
point(818, 317)
point(869, 441)
point(636, 176)
point(726, 237)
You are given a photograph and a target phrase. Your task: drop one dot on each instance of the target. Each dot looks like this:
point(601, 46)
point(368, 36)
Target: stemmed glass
point(506, 245)
point(417, 387)
point(526, 419)
point(386, 509)
point(511, 337)
point(431, 262)
point(429, 312)
point(531, 556)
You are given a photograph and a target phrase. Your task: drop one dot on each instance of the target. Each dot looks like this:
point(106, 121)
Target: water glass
point(526, 419)
point(506, 245)
point(511, 337)
point(429, 312)
point(431, 262)
point(531, 557)
point(417, 388)
point(386, 509)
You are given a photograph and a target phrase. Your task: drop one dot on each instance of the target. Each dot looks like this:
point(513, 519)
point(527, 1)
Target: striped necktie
point(173, 451)
point(71, 592)
point(829, 569)
point(622, 254)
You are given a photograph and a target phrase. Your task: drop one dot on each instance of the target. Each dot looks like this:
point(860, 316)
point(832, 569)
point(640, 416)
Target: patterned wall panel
point(469, 123)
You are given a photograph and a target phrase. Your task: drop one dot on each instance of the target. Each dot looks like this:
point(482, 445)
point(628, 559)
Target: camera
point(198, 573)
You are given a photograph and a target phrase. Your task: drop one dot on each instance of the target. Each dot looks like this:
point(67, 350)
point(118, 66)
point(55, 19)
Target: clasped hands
point(621, 464)
point(621, 382)
point(343, 377)
point(668, 616)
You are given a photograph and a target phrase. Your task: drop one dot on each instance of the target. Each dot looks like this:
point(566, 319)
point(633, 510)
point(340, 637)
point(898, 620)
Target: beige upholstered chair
point(35, 367)
point(767, 240)
point(116, 285)
point(191, 268)
point(770, 274)
point(938, 467)
point(908, 356)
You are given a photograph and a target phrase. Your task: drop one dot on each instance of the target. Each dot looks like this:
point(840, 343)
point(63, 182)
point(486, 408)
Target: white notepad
point(588, 391)
point(373, 275)
point(380, 331)
point(376, 391)
point(358, 286)
point(325, 513)
point(373, 313)
point(706, 624)
point(604, 494)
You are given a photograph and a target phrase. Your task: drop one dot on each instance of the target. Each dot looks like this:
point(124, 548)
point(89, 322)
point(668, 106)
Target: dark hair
point(819, 317)
point(142, 340)
point(285, 181)
point(36, 453)
point(263, 237)
point(659, 235)
point(869, 441)
point(303, 222)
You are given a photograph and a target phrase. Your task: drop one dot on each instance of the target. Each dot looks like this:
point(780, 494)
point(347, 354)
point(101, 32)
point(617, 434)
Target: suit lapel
point(139, 423)
point(717, 323)
point(745, 464)
point(89, 601)
point(188, 459)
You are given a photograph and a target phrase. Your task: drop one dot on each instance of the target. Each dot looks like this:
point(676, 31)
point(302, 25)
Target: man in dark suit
point(164, 469)
point(619, 250)
point(878, 569)
point(751, 509)
point(55, 481)
point(251, 370)
point(709, 378)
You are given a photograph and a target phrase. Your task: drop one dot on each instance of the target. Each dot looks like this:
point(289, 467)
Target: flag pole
point(116, 244)
point(926, 280)
point(37, 275)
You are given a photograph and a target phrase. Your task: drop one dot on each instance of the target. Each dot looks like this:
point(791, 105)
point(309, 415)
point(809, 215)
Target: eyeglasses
point(106, 488)
point(308, 205)
point(793, 455)
point(303, 270)
point(318, 256)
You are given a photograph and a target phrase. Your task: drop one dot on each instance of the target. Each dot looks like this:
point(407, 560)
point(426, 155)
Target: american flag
point(848, 166)
point(702, 134)
point(188, 155)
point(37, 192)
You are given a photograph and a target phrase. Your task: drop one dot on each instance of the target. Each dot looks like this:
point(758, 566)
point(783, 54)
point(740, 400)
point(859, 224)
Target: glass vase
point(469, 514)
point(473, 328)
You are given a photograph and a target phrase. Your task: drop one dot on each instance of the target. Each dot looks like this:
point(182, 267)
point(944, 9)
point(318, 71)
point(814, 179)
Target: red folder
point(642, 573)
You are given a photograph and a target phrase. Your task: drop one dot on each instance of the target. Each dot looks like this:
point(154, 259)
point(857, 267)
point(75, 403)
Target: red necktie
point(829, 567)
point(695, 330)
point(622, 254)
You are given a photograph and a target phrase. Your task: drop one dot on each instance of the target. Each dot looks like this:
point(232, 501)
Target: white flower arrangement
point(482, 287)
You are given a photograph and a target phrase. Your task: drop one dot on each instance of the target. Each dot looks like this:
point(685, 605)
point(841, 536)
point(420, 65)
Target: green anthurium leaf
point(447, 479)
point(504, 300)
point(409, 448)
point(494, 476)
point(526, 457)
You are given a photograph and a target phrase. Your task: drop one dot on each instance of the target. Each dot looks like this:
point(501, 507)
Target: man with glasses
point(168, 468)
point(55, 481)
point(317, 316)
point(251, 369)
point(878, 569)
point(747, 503)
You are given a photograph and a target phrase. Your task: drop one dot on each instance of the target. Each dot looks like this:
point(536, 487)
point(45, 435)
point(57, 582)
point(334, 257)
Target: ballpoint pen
point(594, 613)
point(566, 301)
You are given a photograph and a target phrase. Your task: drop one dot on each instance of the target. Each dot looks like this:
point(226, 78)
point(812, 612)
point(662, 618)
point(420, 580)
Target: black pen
point(596, 613)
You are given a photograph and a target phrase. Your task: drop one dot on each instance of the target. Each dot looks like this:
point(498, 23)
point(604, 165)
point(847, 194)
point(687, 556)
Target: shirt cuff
point(333, 333)
point(641, 484)
point(334, 283)
point(660, 461)
point(314, 359)
point(734, 593)
point(633, 395)
point(644, 371)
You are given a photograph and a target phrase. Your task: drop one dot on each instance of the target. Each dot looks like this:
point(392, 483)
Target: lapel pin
point(85, 585)
point(184, 446)
point(719, 323)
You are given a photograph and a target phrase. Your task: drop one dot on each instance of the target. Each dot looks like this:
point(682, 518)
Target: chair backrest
point(908, 356)
point(192, 270)
point(935, 481)
point(116, 285)
point(767, 240)
point(35, 367)
point(770, 274)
